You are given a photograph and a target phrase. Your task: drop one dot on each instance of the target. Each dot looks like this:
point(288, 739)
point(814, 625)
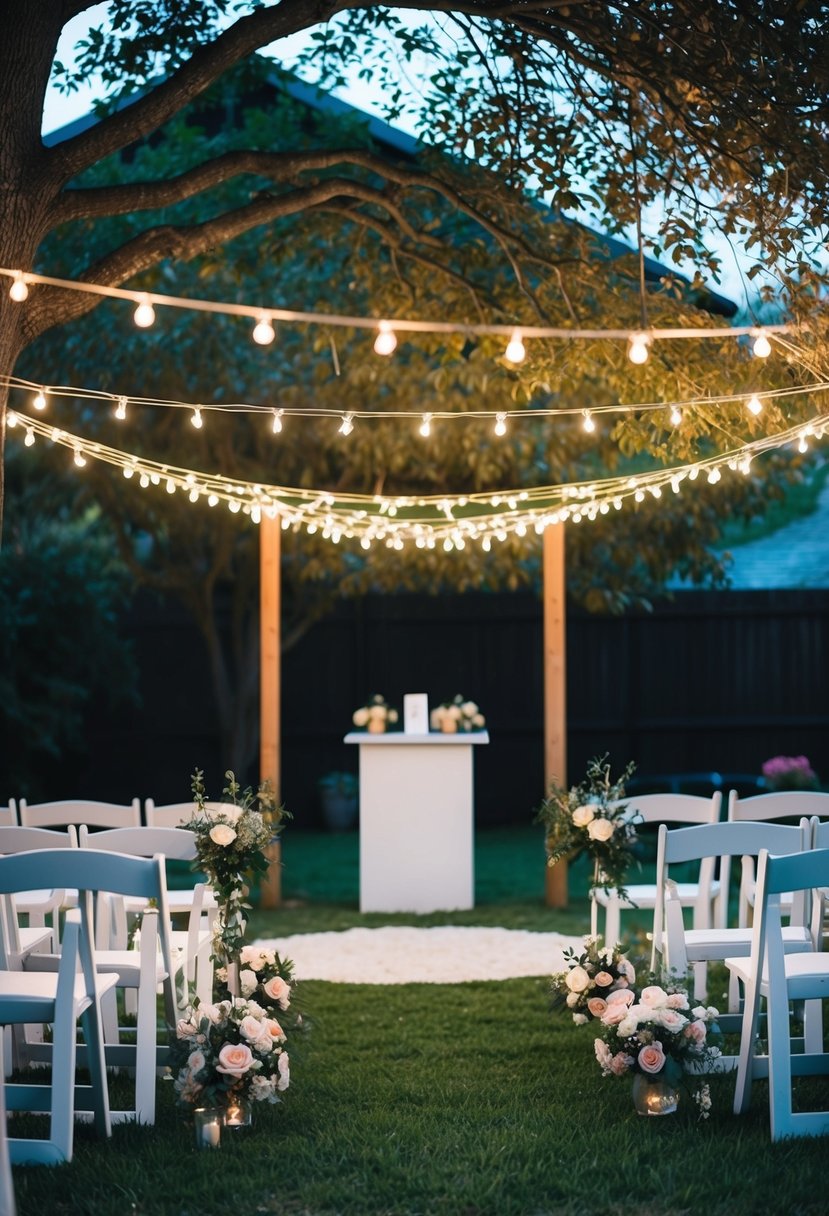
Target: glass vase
point(654, 1095)
point(207, 1122)
point(238, 1115)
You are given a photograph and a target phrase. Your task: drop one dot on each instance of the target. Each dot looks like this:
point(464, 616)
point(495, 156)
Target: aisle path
point(399, 954)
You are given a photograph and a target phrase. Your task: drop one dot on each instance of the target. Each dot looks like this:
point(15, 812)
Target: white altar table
point(416, 820)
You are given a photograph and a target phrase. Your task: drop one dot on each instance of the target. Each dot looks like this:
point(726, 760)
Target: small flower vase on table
point(376, 726)
point(654, 1095)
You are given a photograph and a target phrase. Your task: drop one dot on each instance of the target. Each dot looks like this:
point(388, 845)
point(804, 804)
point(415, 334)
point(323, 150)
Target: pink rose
point(696, 1031)
point(596, 1006)
point(677, 1000)
point(615, 1013)
point(625, 968)
point(621, 1063)
point(622, 996)
point(603, 1054)
point(234, 1059)
point(604, 979)
point(671, 1019)
point(654, 996)
point(651, 1059)
point(277, 990)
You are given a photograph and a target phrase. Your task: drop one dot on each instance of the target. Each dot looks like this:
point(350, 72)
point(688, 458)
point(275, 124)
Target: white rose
point(250, 1028)
point(248, 982)
point(284, 1068)
point(222, 834)
point(196, 1061)
point(580, 1019)
point(627, 1027)
point(360, 717)
point(577, 979)
point(699, 1012)
point(671, 1019)
point(435, 719)
point(479, 720)
point(654, 996)
point(469, 709)
point(392, 715)
point(377, 711)
point(600, 829)
point(573, 999)
point(583, 815)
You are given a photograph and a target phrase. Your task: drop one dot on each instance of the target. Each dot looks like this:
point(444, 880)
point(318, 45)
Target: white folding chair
point(8, 816)
point(193, 946)
point(700, 895)
point(43, 903)
point(76, 811)
point(178, 814)
point(761, 808)
point(771, 973)
point(676, 947)
point(7, 1204)
point(60, 998)
point(93, 871)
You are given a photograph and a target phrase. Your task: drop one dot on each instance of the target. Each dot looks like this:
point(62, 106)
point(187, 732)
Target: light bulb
point(144, 314)
point(803, 445)
point(19, 290)
point(121, 409)
point(128, 471)
point(11, 418)
point(144, 481)
point(714, 476)
point(386, 341)
point(638, 348)
point(39, 400)
point(500, 424)
point(676, 415)
point(347, 424)
point(762, 346)
point(588, 424)
point(754, 405)
point(264, 332)
point(171, 486)
point(30, 437)
point(212, 499)
point(80, 459)
point(516, 351)
point(196, 420)
point(276, 426)
point(426, 426)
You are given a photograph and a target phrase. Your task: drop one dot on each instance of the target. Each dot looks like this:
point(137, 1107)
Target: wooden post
point(270, 544)
point(555, 688)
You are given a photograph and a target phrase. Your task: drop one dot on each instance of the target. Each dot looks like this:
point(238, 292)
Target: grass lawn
point(452, 1100)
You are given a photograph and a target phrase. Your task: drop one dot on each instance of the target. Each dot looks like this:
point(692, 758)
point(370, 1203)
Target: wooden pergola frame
point(555, 686)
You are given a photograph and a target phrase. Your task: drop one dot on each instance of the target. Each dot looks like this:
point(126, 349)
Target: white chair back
point(784, 804)
point(175, 843)
point(177, 814)
point(676, 808)
point(8, 815)
point(74, 811)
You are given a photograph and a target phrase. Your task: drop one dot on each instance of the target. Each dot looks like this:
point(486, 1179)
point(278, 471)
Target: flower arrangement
point(375, 716)
point(231, 839)
point(591, 978)
point(457, 715)
point(591, 818)
point(228, 1054)
point(653, 1031)
point(790, 773)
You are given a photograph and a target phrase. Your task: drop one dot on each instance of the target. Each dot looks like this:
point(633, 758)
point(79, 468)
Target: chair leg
point(64, 1050)
point(700, 981)
point(813, 1027)
point(92, 1023)
point(745, 1061)
point(780, 1064)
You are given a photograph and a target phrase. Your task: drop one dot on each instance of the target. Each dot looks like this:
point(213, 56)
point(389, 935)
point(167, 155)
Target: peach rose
point(620, 1063)
point(696, 1031)
point(603, 1054)
point(277, 990)
point(622, 996)
point(651, 1059)
point(596, 1006)
point(604, 979)
point(601, 830)
point(615, 1013)
point(583, 815)
point(250, 1028)
point(272, 1029)
point(234, 1059)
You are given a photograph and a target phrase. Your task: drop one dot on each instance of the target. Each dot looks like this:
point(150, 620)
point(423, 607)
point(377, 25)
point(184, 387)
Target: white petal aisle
point(446, 954)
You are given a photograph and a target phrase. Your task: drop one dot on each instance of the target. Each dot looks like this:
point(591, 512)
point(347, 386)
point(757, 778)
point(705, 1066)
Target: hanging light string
point(452, 520)
point(673, 409)
point(385, 329)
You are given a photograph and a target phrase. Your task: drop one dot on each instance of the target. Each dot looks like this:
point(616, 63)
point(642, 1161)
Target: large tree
point(715, 109)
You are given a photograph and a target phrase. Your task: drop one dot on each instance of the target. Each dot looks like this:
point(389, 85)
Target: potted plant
point(339, 800)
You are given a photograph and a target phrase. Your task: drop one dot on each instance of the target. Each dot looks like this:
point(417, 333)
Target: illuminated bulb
point(386, 342)
point(676, 415)
point(155, 479)
point(347, 424)
point(515, 352)
point(234, 506)
point(171, 486)
point(39, 401)
point(803, 445)
point(639, 496)
point(588, 424)
point(144, 314)
point(212, 500)
point(263, 331)
point(714, 476)
point(196, 420)
point(128, 471)
point(277, 421)
point(30, 437)
point(194, 495)
point(500, 424)
point(19, 290)
point(426, 426)
point(143, 481)
point(80, 459)
point(638, 348)
point(762, 346)
point(754, 405)
point(11, 418)
point(121, 409)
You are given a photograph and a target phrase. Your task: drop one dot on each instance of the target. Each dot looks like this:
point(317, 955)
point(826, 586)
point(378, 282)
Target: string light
point(386, 341)
point(754, 405)
point(500, 427)
point(762, 346)
point(276, 425)
point(516, 351)
point(638, 345)
point(80, 459)
point(347, 424)
point(39, 400)
point(144, 315)
point(676, 415)
point(121, 409)
point(19, 290)
point(264, 332)
point(30, 437)
point(426, 426)
point(588, 424)
point(803, 445)
point(196, 419)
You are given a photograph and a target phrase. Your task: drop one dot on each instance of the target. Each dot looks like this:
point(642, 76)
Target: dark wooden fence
point(707, 682)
